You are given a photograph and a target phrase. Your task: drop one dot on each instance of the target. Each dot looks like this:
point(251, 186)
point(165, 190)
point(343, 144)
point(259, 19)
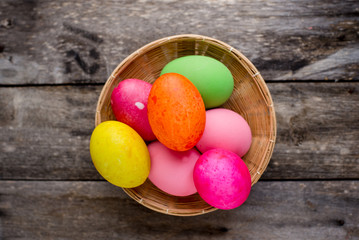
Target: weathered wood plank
point(99, 210)
point(45, 131)
point(65, 42)
point(317, 131)
point(48, 130)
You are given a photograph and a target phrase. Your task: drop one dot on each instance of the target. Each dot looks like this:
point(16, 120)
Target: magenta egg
point(222, 179)
point(129, 104)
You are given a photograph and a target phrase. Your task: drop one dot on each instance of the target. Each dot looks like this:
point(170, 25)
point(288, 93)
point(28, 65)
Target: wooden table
point(56, 55)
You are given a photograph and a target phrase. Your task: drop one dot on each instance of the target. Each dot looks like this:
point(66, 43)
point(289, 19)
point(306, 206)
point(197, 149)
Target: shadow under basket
point(250, 98)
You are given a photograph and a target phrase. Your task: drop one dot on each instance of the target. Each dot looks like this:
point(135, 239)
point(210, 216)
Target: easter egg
point(211, 77)
point(129, 104)
point(119, 154)
point(225, 129)
point(176, 112)
point(222, 179)
point(172, 171)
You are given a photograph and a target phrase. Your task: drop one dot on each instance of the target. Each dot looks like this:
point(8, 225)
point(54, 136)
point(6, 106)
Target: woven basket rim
point(246, 63)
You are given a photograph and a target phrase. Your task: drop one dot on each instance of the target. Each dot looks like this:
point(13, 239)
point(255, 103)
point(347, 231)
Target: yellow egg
point(119, 154)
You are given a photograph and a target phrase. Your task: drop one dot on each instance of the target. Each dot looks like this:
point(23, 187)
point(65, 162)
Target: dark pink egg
point(129, 104)
point(222, 179)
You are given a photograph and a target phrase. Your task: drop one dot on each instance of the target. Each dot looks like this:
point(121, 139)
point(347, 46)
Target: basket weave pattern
point(250, 98)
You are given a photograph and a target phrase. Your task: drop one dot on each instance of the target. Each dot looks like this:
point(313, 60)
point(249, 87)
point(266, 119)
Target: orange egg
point(176, 112)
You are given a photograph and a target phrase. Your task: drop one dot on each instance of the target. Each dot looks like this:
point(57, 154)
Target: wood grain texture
point(50, 42)
point(45, 131)
point(99, 210)
point(49, 188)
point(317, 131)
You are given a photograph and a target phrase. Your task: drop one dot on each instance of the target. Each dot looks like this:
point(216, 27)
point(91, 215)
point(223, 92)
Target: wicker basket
point(250, 98)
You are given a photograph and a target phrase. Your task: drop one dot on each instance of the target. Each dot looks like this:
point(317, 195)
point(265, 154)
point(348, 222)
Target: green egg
point(212, 78)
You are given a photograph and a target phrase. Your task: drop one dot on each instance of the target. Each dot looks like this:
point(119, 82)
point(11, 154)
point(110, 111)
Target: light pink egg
point(225, 129)
point(129, 104)
point(222, 179)
point(172, 171)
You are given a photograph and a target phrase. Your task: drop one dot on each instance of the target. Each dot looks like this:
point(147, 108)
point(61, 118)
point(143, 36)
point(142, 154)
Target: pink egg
point(222, 179)
point(129, 104)
point(172, 171)
point(225, 129)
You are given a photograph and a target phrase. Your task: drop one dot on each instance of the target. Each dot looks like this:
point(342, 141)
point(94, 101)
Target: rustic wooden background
point(56, 55)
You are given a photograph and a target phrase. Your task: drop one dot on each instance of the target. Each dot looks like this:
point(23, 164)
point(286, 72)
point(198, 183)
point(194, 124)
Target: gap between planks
point(260, 180)
point(102, 83)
